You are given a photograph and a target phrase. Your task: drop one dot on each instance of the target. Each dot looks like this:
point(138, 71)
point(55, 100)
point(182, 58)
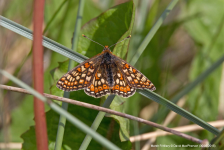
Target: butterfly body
point(108, 64)
point(105, 74)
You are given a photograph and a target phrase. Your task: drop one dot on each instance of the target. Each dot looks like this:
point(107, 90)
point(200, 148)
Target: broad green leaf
point(118, 104)
point(73, 136)
point(119, 50)
point(106, 29)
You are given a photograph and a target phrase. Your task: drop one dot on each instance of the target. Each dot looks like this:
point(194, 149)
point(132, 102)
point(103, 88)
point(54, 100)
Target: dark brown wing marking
point(81, 76)
point(134, 77)
point(121, 86)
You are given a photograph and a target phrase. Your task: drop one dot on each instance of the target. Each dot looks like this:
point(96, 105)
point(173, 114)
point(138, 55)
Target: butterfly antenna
point(92, 40)
point(121, 40)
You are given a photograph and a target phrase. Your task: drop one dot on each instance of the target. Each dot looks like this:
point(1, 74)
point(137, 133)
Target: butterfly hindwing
point(134, 77)
point(121, 86)
point(80, 77)
point(105, 74)
point(99, 85)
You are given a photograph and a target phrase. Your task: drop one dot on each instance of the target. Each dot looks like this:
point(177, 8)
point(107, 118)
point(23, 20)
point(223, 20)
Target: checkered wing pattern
point(134, 78)
point(94, 74)
point(80, 77)
point(99, 86)
point(121, 87)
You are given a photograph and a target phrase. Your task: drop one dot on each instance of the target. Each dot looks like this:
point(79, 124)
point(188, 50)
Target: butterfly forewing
point(80, 77)
point(94, 74)
point(134, 77)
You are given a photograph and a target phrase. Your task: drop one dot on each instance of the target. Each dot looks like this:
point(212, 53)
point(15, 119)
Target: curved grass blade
point(96, 122)
point(61, 111)
point(53, 17)
point(152, 32)
point(48, 43)
point(80, 58)
point(163, 111)
point(218, 141)
point(119, 50)
point(62, 120)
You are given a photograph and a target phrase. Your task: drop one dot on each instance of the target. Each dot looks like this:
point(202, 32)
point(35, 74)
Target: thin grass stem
point(62, 120)
point(80, 58)
point(97, 122)
point(54, 15)
point(152, 32)
point(105, 110)
point(83, 127)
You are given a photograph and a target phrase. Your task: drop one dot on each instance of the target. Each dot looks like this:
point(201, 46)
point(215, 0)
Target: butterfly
point(104, 74)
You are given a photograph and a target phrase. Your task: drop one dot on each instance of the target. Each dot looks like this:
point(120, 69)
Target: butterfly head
point(106, 47)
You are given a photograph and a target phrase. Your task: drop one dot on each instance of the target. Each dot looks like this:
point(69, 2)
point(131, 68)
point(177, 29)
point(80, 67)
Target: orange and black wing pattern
point(80, 77)
point(121, 86)
point(134, 77)
point(99, 85)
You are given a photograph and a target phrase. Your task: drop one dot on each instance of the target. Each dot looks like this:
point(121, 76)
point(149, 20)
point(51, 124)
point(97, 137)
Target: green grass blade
point(48, 43)
point(53, 17)
point(186, 90)
point(170, 105)
point(62, 120)
point(110, 98)
point(163, 111)
point(152, 32)
point(61, 111)
point(218, 140)
point(96, 122)
point(80, 58)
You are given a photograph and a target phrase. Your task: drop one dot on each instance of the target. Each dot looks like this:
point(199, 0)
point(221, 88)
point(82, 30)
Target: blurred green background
point(190, 40)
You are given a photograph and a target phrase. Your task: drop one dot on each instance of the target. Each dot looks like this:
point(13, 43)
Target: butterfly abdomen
point(107, 61)
point(110, 78)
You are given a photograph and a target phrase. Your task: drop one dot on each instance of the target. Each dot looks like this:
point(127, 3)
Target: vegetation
point(178, 45)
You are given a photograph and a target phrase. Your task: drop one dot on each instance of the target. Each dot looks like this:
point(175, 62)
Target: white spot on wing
point(125, 70)
point(133, 76)
point(143, 79)
point(83, 68)
point(91, 70)
point(139, 75)
point(99, 75)
point(119, 75)
point(129, 78)
point(117, 81)
point(88, 78)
